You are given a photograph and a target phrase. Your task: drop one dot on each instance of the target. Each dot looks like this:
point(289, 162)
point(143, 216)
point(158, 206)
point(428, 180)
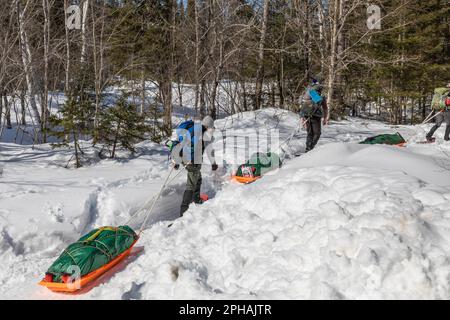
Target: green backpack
point(439, 97)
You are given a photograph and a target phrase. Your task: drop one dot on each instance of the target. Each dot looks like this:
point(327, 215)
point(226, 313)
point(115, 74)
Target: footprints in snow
point(99, 207)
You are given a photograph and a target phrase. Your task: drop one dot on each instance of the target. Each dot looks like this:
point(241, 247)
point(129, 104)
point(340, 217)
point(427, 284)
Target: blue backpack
point(181, 130)
point(315, 96)
point(181, 133)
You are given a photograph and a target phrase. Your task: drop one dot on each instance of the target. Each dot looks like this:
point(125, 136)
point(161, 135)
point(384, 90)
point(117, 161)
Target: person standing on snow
point(441, 104)
point(313, 107)
point(190, 154)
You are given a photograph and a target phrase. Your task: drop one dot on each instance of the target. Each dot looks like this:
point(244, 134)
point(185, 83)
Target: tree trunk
point(217, 76)
point(7, 111)
point(44, 102)
point(67, 66)
point(197, 58)
point(142, 91)
point(27, 62)
point(423, 107)
point(333, 58)
point(322, 43)
point(167, 86)
point(85, 6)
point(203, 99)
point(307, 42)
point(244, 96)
point(23, 107)
point(260, 68)
point(1, 109)
point(116, 138)
point(166, 95)
point(98, 66)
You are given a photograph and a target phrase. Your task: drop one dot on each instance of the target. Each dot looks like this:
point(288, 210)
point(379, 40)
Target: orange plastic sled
point(88, 278)
point(245, 180)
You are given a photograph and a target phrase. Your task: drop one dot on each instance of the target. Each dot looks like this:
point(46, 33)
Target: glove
point(214, 167)
point(175, 165)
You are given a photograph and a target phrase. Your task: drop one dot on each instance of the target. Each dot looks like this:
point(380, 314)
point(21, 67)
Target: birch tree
point(260, 68)
point(27, 59)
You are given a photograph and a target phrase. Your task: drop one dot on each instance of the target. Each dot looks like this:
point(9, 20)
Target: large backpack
point(311, 104)
point(439, 99)
point(186, 130)
point(183, 127)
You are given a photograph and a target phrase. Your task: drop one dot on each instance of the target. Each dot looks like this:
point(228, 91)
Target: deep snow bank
point(330, 232)
point(431, 170)
point(345, 221)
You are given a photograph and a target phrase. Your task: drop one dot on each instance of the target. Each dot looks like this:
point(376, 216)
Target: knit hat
point(208, 122)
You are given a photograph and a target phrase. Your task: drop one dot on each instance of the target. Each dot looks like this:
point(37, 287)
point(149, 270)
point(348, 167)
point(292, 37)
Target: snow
point(345, 221)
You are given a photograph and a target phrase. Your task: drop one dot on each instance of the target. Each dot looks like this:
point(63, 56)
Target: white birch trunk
point(85, 7)
point(67, 66)
point(27, 62)
point(262, 41)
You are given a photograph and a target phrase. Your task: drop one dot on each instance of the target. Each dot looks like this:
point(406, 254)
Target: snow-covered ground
point(345, 221)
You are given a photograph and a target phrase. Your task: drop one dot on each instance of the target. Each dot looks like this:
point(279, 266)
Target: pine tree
point(122, 124)
point(73, 121)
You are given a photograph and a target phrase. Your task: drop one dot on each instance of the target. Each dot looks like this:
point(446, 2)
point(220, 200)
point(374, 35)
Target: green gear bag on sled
point(92, 251)
point(439, 99)
point(259, 164)
point(389, 139)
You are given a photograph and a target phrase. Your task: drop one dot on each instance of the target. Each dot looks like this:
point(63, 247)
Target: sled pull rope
point(428, 119)
point(154, 201)
point(288, 141)
point(142, 208)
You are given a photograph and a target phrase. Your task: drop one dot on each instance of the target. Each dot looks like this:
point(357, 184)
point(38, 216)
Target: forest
point(379, 59)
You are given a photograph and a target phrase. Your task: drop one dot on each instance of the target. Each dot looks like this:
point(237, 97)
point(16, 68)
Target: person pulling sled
point(441, 106)
point(188, 144)
point(313, 107)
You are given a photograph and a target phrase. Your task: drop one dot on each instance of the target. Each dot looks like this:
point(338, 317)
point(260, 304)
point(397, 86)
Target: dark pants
point(440, 118)
point(314, 129)
point(193, 186)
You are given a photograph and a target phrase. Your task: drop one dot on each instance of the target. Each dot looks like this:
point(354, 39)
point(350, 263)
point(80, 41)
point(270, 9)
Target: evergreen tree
point(122, 124)
point(72, 123)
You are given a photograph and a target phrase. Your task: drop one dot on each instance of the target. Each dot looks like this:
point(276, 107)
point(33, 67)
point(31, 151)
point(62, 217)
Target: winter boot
point(447, 134)
point(187, 199)
point(196, 196)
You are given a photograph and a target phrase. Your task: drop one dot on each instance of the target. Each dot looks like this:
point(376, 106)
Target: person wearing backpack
point(190, 155)
point(313, 107)
point(441, 104)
